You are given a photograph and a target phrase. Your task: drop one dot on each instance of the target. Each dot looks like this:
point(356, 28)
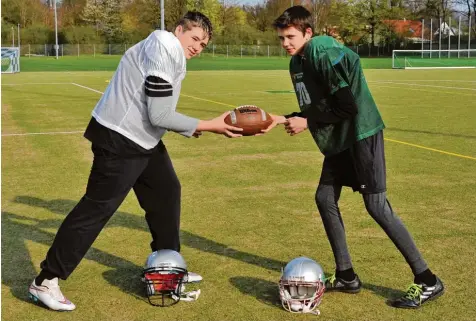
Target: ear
point(308, 33)
point(178, 30)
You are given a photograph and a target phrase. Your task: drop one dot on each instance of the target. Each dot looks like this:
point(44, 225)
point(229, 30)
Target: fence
point(73, 49)
point(365, 50)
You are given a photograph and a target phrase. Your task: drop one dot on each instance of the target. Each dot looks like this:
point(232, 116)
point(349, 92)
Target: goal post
point(434, 59)
point(10, 59)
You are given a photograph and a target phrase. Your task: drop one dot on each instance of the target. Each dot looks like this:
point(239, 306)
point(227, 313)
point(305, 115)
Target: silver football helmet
point(301, 286)
point(165, 273)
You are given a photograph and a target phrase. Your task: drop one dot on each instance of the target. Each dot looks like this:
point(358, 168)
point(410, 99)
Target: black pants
point(112, 176)
point(362, 167)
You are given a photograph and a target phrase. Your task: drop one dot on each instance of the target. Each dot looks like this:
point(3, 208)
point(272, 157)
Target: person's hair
point(297, 17)
point(196, 19)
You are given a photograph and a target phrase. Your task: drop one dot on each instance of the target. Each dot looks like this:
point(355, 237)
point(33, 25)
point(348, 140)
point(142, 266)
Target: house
point(446, 30)
point(408, 29)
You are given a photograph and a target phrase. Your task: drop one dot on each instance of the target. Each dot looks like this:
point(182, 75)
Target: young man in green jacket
point(338, 109)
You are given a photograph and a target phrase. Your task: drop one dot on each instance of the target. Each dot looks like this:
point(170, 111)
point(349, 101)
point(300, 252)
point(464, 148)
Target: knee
point(169, 189)
point(378, 207)
point(174, 188)
point(374, 203)
point(324, 198)
point(105, 206)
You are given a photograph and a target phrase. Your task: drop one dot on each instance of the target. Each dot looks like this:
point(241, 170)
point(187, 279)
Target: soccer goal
point(433, 59)
point(10, 59)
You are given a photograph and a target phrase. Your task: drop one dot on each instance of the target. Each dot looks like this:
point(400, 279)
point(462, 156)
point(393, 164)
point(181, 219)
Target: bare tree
point(320, 12)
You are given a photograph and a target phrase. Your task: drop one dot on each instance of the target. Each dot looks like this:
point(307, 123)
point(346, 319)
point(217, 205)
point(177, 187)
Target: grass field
point(248, 203)
point(206, 62)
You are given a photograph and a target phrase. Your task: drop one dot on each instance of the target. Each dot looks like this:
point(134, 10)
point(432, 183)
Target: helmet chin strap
point(307, 309)
point(188, 296)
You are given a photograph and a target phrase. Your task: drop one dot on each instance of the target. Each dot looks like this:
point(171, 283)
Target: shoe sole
point(417, 307)
point(37, 301)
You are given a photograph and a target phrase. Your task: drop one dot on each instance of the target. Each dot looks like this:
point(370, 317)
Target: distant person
point(126, 132)
point(337, 106)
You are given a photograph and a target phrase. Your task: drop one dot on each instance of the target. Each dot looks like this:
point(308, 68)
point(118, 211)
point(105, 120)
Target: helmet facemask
point(165, 275)
point(301, 297)
point(164, 285)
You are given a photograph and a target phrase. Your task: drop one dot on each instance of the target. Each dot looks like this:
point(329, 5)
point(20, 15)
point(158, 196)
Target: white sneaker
point(50, 295)
point(192, 277)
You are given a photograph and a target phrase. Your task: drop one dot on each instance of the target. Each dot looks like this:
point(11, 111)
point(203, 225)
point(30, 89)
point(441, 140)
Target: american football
point(249, 117)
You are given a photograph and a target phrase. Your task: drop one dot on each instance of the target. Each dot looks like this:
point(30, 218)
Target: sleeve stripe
point(163, 85)
point(157, 87)
point(155, 82)
point(158, 93)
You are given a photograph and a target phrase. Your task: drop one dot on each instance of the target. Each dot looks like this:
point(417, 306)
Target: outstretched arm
point(161, 109)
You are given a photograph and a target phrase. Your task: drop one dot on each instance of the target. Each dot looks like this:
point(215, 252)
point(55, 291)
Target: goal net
point(10, 60)
point(433, 59)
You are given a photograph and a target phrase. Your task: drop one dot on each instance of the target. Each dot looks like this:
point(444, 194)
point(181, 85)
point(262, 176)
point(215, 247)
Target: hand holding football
point(249, 117)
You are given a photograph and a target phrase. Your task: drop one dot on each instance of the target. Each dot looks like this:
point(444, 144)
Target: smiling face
point(193, 40)
point(293, 40)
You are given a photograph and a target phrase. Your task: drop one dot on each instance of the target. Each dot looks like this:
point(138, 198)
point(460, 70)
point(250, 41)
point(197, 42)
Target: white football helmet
point(301, 286)
point(165, 273)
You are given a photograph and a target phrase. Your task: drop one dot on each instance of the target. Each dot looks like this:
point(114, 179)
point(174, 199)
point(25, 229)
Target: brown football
point(249, 117)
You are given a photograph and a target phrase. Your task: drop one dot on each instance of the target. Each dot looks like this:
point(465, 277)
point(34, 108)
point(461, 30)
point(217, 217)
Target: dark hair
point(196, 19)
point(297, 17)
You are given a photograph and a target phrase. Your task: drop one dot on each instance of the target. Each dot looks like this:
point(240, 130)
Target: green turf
point(109, 63)
point(248, 203)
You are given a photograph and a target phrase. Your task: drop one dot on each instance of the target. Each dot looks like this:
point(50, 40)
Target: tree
point(343, 18)
point(372, 13)
point(80, 34)
point(320, 12)
point(139, 18)
point(93, 14)
point(235, 29)
point(105, 15)
point(112, 25)
point(258, 17)
point(469, 11)
point(71, 11)
point(210, 8)
point(175, 10)
point(25, 12)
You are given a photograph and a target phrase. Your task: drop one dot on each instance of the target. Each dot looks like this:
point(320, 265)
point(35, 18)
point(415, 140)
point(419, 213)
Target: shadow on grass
point(17, 229)
point(264, 291)
point(384, 292)
point(268, 292)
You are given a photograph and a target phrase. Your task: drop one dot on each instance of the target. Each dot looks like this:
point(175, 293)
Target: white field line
point(387, 139)
point(56, 133)
point(420, 85)
point(88, 88)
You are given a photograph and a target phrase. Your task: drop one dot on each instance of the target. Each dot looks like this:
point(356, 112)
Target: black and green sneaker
point(418, 294)
point(335, 283)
